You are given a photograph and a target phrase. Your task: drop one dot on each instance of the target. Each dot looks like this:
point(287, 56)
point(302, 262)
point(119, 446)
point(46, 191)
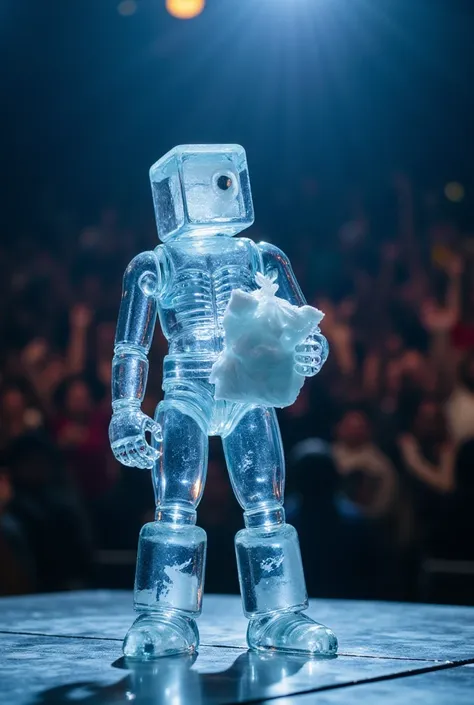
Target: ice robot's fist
point(127, 438)
point(311, 355)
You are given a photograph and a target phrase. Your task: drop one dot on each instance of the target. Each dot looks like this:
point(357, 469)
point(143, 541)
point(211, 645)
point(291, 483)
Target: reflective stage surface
point(66, 648)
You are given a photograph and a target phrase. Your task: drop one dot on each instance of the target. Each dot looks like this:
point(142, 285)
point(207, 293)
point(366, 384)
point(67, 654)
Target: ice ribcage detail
point(226, 279)
point(201, 298)
point(193, 301)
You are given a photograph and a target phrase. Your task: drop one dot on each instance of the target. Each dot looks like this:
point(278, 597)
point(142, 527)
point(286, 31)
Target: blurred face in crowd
point(393, 344)
point(354, 429)
point(429, 422)
point(346, 309)
point(13, 404)
point(78, 401)
point(6, 489)
point(53, 372)
point(415, 369)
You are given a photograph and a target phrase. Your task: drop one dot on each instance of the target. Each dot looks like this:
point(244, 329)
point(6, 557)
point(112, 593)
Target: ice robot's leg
point(172, 550)
point(268, 554)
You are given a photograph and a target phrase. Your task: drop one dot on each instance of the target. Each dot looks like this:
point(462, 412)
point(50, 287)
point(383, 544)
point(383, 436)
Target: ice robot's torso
point(200, 274)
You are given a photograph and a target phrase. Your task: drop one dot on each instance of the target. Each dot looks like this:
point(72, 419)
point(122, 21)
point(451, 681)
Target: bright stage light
point(185, 9)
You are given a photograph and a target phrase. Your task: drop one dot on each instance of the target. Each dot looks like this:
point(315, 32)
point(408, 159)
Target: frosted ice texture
point(257, 364)
point(202, 198)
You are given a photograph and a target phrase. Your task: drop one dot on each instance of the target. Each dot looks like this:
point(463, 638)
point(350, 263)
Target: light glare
point(185, 9)
point(454, 191)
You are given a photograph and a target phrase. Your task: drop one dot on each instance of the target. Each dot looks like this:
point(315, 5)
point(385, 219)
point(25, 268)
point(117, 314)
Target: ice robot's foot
point(292, 633)
point(153, 635)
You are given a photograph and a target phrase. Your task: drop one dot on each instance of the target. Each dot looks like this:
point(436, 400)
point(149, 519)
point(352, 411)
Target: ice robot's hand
point(311, 355)
point(127, 438)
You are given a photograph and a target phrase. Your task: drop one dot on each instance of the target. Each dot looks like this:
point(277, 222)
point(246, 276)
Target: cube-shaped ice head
point(202, 190)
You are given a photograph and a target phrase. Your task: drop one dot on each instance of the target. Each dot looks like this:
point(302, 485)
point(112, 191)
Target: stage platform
point(66, 648)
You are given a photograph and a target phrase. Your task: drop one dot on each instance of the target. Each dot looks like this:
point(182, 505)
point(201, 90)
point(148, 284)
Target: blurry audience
point(80, 432)
point(460, 405)
point(379, 446)
point(50, 515)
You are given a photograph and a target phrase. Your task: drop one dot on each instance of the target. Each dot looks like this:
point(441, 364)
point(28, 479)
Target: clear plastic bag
point(257, 364)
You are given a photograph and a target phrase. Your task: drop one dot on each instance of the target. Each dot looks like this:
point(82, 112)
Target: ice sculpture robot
point(202, 199)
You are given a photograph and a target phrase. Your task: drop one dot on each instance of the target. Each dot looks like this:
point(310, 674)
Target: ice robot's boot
point(274, 592)
point(168, 590)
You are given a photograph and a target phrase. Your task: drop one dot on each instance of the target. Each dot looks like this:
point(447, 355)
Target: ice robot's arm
point(142, 284)
point(313, 353)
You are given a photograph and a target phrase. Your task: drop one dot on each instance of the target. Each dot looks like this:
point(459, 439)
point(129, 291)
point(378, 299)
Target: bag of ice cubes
point(261, 331)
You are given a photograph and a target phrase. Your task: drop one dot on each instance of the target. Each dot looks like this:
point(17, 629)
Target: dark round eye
point(224, 182)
